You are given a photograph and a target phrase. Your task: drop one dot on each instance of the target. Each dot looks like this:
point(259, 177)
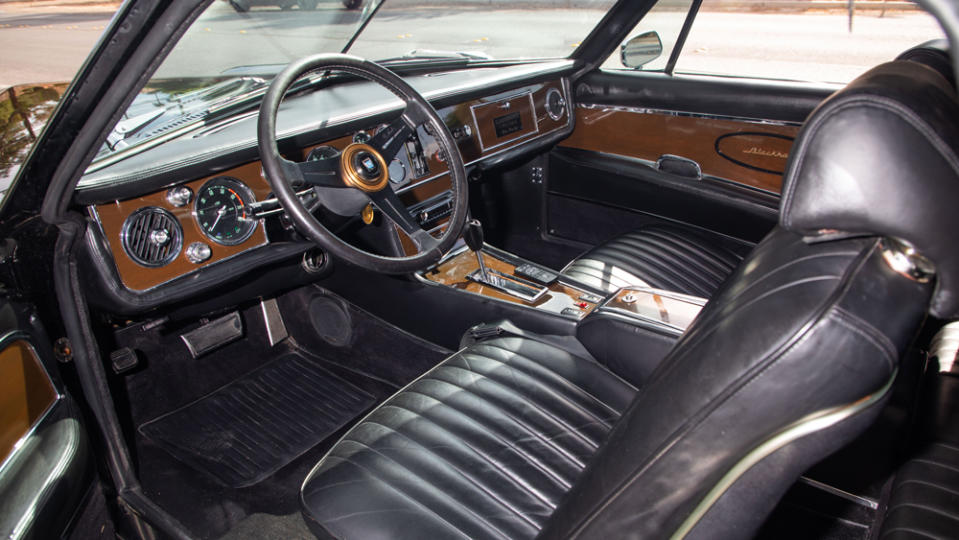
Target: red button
point(583, 305)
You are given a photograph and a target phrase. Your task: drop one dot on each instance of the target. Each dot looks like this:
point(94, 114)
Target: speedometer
point(223, 210)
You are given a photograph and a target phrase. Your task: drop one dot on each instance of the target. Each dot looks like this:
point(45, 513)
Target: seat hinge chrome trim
point(807, 425)
point(902, 257)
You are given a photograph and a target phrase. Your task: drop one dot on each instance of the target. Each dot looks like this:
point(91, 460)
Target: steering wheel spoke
point(391, 205)
point(391, 138)
point(361, 168)
point(316, 173)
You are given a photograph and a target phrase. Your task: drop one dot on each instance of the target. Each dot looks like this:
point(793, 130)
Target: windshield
point(226, 59)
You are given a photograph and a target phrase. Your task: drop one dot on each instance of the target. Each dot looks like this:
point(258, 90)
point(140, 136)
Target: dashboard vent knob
point(152, 237)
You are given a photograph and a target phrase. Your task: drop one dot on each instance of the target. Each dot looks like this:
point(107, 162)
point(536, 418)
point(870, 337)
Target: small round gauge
point(555, 104)
point(222, 210)
point(397, 172)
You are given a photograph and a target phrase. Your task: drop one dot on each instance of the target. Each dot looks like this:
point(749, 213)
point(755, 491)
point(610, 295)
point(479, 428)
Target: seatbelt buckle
point(484, 330)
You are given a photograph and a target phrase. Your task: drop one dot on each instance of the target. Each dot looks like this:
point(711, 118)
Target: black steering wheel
point(359, 174)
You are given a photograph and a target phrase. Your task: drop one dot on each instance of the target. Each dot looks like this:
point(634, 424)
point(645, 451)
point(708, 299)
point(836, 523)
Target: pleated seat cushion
point(482, 446)
point(662, 256)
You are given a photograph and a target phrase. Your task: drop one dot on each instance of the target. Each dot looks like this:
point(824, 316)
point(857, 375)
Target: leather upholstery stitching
point(732, 390)
point(516, 480)
point(548, 372)
point(455, 469)
point(478, 518)
point(859, 100)
point(525, 426)
point(393, 487)
point(867, 331)
point(549, 414)
point(529, 458)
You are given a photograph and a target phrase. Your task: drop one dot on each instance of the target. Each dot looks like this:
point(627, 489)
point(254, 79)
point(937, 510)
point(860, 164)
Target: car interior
point(534, 299)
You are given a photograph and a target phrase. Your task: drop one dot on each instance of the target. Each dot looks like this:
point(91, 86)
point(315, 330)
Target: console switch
point(535, 273)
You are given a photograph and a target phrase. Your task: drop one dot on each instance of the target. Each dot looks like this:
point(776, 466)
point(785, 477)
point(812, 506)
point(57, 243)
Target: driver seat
point(795, 355)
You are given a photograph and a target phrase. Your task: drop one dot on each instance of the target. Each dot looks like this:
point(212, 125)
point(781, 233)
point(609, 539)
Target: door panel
point(752, 153)
point(26, 393)
point(593, 196)
point(46, 467)
point(706, 152)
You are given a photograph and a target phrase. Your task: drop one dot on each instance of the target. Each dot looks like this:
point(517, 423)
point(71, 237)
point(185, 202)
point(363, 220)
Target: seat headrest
point(934, 54)
point(879, 158)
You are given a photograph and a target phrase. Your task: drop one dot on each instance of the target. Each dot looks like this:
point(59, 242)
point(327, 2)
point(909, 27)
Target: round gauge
point(222, 210)
point(555, 104)
point(397, 172)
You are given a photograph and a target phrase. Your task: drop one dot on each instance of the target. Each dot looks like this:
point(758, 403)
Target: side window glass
point(665, 21)
point(760, 39)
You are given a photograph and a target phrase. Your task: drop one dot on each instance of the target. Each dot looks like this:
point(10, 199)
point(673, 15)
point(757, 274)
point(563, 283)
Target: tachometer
point(222, 210)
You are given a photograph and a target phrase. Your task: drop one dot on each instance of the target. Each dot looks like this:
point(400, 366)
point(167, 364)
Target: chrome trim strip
point(637, 317)
point(705, 116)
point(5, 342)
point(807, 425)
point(861, 501)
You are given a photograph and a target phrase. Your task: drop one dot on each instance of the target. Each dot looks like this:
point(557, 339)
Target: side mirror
point(641, 50)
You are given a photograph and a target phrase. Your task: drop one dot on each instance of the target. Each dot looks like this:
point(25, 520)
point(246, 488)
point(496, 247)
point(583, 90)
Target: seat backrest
point(796, 353)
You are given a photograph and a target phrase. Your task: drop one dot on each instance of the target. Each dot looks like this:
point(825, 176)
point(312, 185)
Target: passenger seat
point(671, 257)
point(924, 500)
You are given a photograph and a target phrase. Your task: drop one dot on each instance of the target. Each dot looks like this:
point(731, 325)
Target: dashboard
point(216, 207)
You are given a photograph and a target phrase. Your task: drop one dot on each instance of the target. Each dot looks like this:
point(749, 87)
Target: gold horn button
point(363, 168)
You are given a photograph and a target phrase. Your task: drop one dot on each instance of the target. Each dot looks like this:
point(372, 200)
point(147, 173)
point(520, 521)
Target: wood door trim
point(756, 156)
point(27, 393)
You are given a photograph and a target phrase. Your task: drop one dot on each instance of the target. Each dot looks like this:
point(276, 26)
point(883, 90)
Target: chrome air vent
point(152, 237)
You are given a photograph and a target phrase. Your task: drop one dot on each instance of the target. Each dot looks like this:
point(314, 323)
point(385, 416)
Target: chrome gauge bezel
point(555, 116)
point(246, 197)
point(177, 237)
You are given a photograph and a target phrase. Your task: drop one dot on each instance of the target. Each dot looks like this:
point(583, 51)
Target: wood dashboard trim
point(742, 151)
point(111, 216)
point(140, 278)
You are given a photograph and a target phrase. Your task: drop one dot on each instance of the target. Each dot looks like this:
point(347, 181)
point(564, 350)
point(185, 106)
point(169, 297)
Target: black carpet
point(250, 428)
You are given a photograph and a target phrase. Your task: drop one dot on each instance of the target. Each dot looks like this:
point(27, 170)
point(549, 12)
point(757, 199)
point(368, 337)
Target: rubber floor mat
point(250, 428)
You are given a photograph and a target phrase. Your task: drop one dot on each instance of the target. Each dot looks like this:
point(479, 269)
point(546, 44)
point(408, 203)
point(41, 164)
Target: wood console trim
point(26, 394)
point(453, 272)
point(742, 151)
point(139, 278)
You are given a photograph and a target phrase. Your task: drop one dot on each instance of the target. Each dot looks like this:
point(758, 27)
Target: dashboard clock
point(222, 210)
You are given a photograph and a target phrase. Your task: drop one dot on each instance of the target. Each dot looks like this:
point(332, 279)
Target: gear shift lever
point(473, 235)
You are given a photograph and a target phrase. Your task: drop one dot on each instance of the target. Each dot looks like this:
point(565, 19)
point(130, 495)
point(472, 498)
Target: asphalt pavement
point(47, 41)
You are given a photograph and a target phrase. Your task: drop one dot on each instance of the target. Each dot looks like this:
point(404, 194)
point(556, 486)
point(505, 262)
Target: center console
point(556, 296)
point(629, 331)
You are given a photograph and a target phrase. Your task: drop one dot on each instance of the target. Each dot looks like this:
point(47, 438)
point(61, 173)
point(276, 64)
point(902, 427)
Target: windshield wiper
point(185, 110)
point(418, 55)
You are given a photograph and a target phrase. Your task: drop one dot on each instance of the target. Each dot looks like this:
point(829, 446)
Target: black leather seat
point(790, 360)
point(668, 257)
point(482, 446)
point(924, 499)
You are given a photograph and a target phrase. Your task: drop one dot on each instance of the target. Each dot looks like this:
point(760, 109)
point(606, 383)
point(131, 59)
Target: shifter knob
point(473, 235)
